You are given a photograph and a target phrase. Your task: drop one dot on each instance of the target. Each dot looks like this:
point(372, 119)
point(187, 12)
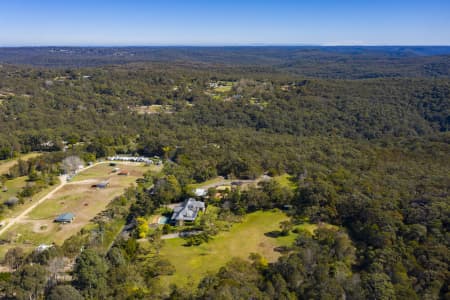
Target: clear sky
point(215, 22)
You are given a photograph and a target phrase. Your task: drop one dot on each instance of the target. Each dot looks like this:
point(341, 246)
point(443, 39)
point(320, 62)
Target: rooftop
point(188, 211)
point(66, 217)
point(200, 192)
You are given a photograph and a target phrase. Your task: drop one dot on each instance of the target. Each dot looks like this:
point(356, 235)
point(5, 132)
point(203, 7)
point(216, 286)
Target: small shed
point(12, 201)
point(102, 185)
point(43, 247)
point(65, 218)
point(124, 173)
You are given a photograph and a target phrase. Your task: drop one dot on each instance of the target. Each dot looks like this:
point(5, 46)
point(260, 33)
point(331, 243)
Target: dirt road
point(63, 181)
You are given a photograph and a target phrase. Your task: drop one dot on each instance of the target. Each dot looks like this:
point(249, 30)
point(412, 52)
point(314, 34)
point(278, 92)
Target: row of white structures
point(131, 158)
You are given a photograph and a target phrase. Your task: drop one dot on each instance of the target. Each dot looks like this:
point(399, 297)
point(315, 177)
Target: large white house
point(187, 212)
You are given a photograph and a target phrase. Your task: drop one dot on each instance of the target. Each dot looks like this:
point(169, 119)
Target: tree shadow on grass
point(273, 234)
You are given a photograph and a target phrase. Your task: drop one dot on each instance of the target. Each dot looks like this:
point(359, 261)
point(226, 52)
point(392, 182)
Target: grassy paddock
point(285, 180)
point(78, 197)
point(104, 171)
point(15, 186)
point(193, 263)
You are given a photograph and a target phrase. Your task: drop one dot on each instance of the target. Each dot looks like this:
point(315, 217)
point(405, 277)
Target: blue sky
point(199, 22)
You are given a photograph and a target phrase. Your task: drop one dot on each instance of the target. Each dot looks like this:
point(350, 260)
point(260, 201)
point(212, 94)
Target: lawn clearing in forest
point(223, 87)
point(78, 197)
point(249, 236)
point(153, 109)
point(285, 180)
point(5, 165)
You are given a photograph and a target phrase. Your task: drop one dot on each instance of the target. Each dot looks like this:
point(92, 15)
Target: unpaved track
point(63, 181)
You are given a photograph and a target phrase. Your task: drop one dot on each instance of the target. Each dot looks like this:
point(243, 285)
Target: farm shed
point(102, 185)
point(65, 218)
point(124, 173)
point(12, 201)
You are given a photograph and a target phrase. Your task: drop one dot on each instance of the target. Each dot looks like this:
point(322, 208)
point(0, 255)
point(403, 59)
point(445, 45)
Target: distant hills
point(311, 61)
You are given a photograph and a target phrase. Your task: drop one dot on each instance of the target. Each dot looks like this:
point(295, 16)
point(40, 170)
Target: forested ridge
point(367, 148)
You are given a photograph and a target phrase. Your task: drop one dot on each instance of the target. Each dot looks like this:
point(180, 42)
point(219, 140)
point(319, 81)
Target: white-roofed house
point(187, 212)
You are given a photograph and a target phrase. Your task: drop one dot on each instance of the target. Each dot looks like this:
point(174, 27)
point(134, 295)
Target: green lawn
point(224, 87)
point(15, 186)
point(193, 263)
point(205, 183)
point(77, 197)
point(285, 181)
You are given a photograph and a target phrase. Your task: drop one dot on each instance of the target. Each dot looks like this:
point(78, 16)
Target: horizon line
point(219, 45)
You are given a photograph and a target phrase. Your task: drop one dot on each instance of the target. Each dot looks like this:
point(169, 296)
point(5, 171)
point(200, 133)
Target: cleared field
point(5, 165)
point(105, 171)
point(14, 186)
point(285, 181)
point(78, 197)
point(153, 109)
point(308, 227)
point(193, 263)
point(224, 87)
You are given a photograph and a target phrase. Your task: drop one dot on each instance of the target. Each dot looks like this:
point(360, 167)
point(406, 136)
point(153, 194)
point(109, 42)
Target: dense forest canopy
point(363, 132)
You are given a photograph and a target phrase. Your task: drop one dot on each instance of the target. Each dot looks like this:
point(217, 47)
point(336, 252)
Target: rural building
point(124, 173)
point(131, 159)
point(187, 212)
point(200, 192)
point(65, 218)
point(102, 185)
point(12, 201)
point(43, 247)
